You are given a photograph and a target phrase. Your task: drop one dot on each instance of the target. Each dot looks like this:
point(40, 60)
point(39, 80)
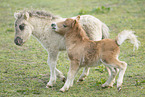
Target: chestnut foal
point(84, 52)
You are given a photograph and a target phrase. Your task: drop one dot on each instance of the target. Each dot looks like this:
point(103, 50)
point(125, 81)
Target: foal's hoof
point(62, 90)
point(47, 86)
point(119, 89)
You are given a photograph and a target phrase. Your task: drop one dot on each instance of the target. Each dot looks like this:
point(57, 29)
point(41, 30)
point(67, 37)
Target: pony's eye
point(64, 25)
point(22, 26)
point(15, 25)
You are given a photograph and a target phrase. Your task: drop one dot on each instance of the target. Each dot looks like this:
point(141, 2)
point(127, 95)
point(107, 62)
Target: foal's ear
point(76, 20)
point(17, 15)
point(26, 16)
point(78, 17)
point(73, 23)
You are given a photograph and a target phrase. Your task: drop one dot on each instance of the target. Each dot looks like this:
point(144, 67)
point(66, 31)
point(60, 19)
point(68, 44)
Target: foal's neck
point(76, 35)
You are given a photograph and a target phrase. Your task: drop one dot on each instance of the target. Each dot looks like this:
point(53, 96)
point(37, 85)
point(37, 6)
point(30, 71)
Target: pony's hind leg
point(84, 74)
point(60, 75)
point(116, 72)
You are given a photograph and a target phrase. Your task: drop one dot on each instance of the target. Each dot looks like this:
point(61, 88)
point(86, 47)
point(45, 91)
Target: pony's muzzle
point(18, 41)
point(53, 25)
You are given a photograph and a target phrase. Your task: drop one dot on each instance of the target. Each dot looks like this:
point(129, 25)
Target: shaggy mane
point(40, 14)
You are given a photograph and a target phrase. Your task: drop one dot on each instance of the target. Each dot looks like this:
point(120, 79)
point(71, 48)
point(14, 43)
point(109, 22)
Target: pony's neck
point(41, 26)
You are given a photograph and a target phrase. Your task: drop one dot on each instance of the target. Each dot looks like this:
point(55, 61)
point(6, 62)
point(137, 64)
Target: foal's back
point(95, 50)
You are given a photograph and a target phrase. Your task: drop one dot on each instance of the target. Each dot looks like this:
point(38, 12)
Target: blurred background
point(24, 70)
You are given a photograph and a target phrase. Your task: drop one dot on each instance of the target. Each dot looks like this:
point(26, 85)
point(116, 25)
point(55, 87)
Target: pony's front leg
point(52, 62)
point(60, 75)
point(74, 67)
point(84, 74)
point(52, 58)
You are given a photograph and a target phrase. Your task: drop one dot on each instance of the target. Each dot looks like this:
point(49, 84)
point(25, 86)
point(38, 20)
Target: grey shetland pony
point(38, 24)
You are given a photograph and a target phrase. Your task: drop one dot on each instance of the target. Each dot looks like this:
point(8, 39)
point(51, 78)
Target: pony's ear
point(17, 15)
point(78, 17)
point(26, 16)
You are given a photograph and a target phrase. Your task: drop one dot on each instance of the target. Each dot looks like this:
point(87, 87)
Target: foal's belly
point(94, 64)
point(91, 64)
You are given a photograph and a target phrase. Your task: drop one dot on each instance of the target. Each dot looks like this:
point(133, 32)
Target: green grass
point(24, 70)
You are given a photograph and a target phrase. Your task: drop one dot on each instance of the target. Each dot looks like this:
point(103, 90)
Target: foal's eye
point(64, 25)
point(22, 26)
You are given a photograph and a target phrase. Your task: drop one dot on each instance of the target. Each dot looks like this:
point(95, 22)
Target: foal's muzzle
point(18, 41)
point(53, 25)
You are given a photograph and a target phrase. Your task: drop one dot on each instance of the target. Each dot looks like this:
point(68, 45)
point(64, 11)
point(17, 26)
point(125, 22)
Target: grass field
point(24, 70)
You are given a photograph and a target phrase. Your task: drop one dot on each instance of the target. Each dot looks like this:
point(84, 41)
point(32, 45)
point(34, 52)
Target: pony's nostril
point(18, 41)
point(53, 25)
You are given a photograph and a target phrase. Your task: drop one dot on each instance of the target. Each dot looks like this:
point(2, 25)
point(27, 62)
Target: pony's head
point(65, 26)
point(23, 29)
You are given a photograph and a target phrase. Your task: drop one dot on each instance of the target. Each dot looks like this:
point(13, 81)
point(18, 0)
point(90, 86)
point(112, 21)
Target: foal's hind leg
point(115, 63)
point(123, 66)
point(84, 74)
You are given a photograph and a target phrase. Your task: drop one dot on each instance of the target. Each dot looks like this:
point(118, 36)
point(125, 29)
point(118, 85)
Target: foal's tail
point(105, 31)
point(126, 34)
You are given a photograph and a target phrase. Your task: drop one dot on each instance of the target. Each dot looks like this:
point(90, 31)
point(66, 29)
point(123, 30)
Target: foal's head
point(65, 26)
point(23, 29)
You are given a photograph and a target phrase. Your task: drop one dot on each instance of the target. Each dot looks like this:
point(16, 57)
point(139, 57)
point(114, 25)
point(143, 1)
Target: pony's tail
point(126, 34)
point(105, 31)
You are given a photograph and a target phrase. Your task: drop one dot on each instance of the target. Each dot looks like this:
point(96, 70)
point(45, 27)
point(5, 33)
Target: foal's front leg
point(74, 68)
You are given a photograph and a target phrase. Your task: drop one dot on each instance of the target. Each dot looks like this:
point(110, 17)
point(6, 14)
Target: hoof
point(48, 86)
point(106, 86)
point(80, 80)
point(64, 79)
point(62, 90)
point(119, 89)
point(103, 86)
